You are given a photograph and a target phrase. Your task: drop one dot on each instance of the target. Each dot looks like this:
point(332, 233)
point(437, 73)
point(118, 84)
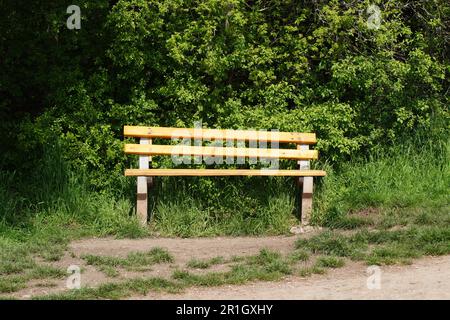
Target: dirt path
point(182, 249)
point(186, 249)
point(427, 278)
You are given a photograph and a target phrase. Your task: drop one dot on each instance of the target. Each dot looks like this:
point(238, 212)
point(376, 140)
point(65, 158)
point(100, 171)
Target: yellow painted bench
point(241, 138)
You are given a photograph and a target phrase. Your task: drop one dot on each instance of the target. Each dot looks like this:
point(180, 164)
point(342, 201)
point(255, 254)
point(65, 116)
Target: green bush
point(287, 65)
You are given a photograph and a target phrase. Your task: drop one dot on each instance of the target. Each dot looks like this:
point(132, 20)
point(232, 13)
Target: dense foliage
point(285, 64)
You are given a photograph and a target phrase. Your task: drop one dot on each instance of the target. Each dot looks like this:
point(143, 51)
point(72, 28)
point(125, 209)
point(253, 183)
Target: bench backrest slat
point(214, 134)
point(145, 149)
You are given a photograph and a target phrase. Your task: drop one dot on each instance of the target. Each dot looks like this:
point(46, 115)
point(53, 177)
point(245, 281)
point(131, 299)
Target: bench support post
point(307, 190)
point(142, 187)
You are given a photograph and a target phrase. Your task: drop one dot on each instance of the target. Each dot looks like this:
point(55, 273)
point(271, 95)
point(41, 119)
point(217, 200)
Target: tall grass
point(52, 196)
point(231, 206)
point(413, 174)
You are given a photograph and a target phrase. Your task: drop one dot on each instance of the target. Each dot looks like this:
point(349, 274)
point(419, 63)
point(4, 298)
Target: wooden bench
point(254, 139)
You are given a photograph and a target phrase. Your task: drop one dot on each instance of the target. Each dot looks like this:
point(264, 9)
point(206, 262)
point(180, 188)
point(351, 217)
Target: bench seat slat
point(181, 150)
point(213, 134)
point(223, 172)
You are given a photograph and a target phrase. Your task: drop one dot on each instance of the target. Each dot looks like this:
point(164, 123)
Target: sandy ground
point(427, 278)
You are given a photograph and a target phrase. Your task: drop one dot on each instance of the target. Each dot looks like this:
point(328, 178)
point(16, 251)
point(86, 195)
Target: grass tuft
point(330, 262)
point(134, 261)
point(204, 264)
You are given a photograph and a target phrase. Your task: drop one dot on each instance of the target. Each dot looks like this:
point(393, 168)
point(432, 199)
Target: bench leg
point(307, 190)
point(307, 193)
point(306, 185)
point(142, 187)
point(142, 200)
